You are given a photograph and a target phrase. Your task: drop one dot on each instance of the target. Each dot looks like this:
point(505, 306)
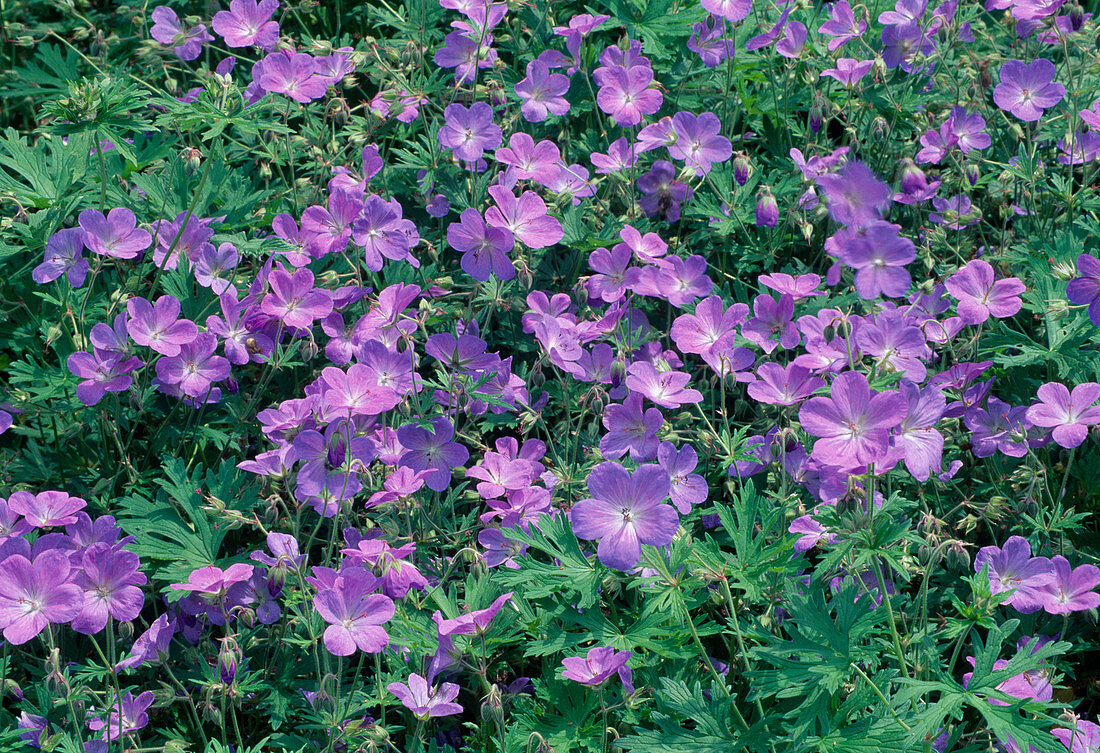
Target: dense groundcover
point(678, 376)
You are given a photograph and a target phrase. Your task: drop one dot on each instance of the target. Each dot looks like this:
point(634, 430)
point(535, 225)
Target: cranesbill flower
point(699, 141)
point(630, 429)
point(662, 193)
point(665, 388)
point(954, 213)
point(842, 25)
point(525, 217)
point(626, 96)
point(620, 156)
point(917, 439)
point(794, 39)
point(63, 257)
point(248, 23)
point(45, 509)
point(126, 716)
point(783, 385)
point(852, 424)
point(465, 54)
point(708, 41)
point(526, 159)
point(731, 10)
point(469, 131)
point(116, 234)
point(711, 328)
point(998, 427)
point(294, 300)
point(212, 264)
point(879, 256)
point(796, 286)
point(380, 231)
point(854, 196)
point(110, 578)
point(1085, 290)
point(424, 701)
point(158, 326)
point(1013, 568)
point(150, 646)
point(764, 39)
point(102, 372)
point(355, 613)
point(1068, 414)
point(1084, 738)
point(614, 275)
point(686, 488)
point(542, 93)
point(849, 71)
point(195, 368)
point(167, 29)
point(432, 451)
point(1027, 89)
point(980, 297)
point(771, 318)
point(36, 594)
point(624, 512)
point(292, 74)
point(484, 249)
point(214, 592)
point(679, 281)
point(1073, 589)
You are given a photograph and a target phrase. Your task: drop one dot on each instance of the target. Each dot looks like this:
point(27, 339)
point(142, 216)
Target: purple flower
point(853, 423)
point(167, 29)
point(424, 701)
point(248, 23)
point(1072, 589)
point(999, 427)
point(110, 578)
point(484, 249)
point(150, 646)
point(711, 329)
point(354, 613)
point(291, 74)
point(794, 39)
point(954, 213)
point(465, 55)
point(1084, 738)
point(917, 439)
point(626, 96)
point(1085, 290)
point(195, 368)
point(687, 488)
point(215, 592)
point(158, 326)
point(853, 195)
point(542, 93)
point(614, 275)
point(63, 257)
point(625, 511)
point(665, 388)
point(433, 451)
point(849, 71)
point(381, 231)
point(45, 509)
point(527, 160)
point(1026, 89)
point(709, 43)
point(842, 25)
point(36, 594)
point(1069, 415)
point(212, 263)
point(1013, 568)
point(600, 663)
point(798, 287)
point(699, 141)
point(524, 217)
point(469, 131)
point(980, 297)
point(620, 156)
point(663, 194)
point(116, 235)
point(770, 318)
point(102, 372)
point(629, 429)
point(731, 10)
point(294, 300)
point(127, 715)
point(783, 385)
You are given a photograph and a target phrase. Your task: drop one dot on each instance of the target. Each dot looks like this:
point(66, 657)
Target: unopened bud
point(192, 158)
point(767, 210)
point(228, 657)
point(492, 707)
point(1063, 270)
point(972, 174)
point(742, 168)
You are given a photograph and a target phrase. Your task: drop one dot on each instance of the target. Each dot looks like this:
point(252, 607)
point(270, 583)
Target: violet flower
point(63, 257)
point(167, 29)
point(158, 325)
point(1027, 89)
point(980, 297)
point(102, 372)
point(294, 300)
point(354, 613)
point(1069, 415)
point(629, 429)
point(248, 23)
point(432, 450)
point(1085, 290)
point(424, 701)
point(1012, 568)
point(36, 594)
point(542, 93)
point(116, 234)
point(1073, 589)
point(469, 131)
point(853, 423)
point(484, 249)
point(598, 665)
point(625, 511)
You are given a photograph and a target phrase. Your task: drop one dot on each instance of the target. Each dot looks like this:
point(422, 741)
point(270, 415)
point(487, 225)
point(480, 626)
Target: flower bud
point(1063, 270)
point(492, 706)
point(913, 179)
point(742, 168)
point(880, 128)
point(971, 171)
point(1076, 17)
point(228, 658)
point(192, 158)
point(767, 210)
